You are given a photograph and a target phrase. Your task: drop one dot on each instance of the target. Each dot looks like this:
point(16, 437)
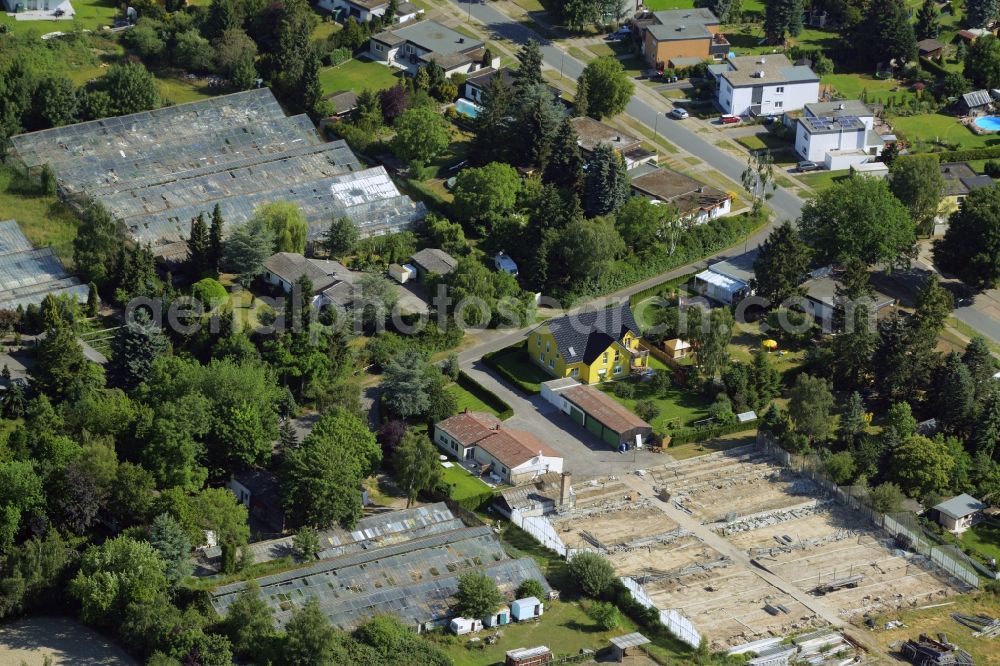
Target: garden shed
point(528, 608)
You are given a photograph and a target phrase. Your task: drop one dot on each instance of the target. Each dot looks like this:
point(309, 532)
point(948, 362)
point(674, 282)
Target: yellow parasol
point(769, 344)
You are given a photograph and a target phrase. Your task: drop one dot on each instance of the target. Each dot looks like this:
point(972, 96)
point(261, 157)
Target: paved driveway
point(586, 456)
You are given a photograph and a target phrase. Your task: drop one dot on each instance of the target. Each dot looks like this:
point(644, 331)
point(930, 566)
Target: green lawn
point(677, 406)
point(324, 30)
point(747, 39)
point(985, 538)
point(44, 219)
point(821, 180)
point(90, 15)
point(763, 140)
point(462, 483)
point(357, 75)
point(610, 49)
point(564, 628)
point(515, 361)
point(466, 400)
point(851, 86)
point(940, 127)
point(180, 90)
point(660, 5)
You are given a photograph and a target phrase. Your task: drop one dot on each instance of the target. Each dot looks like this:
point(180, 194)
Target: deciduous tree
point(809, 406)
point(415, 462)
point(115, 574)
point(608, 87)
point(421, 135)
point(247, 248)
point(592, 573)
point(917, 182)
point(922, 466)
point(477, 595)
point(287, 223)
point(970, 248)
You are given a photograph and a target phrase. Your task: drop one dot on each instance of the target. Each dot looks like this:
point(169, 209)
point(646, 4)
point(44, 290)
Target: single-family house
point(590, 346)
point(332, 283)
point(977, 101)
point(959, 180)
point(677, 348)
point(838, 134)
point(959, 513)
point(697, 203)
point(765, 86)
point(513, 456)
point(432, 261)
point(260, 492)
point(414, 45)
point(364, 11)
point(479, 82)
point(727, 281)
point(529, 608)
point(591, 133)
point(824, 305)
point(930, 48)
point(676, 37)
point(602, 415)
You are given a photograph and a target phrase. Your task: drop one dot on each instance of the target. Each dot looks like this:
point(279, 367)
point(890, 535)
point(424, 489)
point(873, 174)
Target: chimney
point(565, 488)
point(461, 40)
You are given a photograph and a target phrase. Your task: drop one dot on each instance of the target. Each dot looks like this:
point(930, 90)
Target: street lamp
point(470, 11)
point(656, 125)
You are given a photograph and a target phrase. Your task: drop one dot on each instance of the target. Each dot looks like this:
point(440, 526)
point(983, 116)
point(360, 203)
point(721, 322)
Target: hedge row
point(469, 503)
point(484, 394)
point(659, 288)
point(968, 154)
point(932, 66)
point(688, 435)
point(490, 360)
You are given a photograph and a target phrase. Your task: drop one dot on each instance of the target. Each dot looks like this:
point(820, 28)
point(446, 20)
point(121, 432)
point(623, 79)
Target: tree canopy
point(970, 248)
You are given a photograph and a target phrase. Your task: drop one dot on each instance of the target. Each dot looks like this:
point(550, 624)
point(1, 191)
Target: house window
point(618, 369)
point(605, 355)
point(778, 105)
point(538, 341)
point(379, 47)
point(541, 357)
point(552, 363)
point(779, 90)
point(574, 372)
point(546, 345)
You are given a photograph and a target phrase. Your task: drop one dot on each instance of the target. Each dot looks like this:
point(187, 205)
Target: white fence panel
point(541, 530)
point(677, 624)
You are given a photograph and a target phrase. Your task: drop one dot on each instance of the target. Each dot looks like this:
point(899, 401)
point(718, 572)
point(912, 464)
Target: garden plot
point(833, 545)
point(623, 527)
point(725, 488)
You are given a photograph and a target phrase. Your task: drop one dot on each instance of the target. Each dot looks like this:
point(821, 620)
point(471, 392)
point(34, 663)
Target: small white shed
point(499, 618)
point(465, 625)
point(528, 608)
point(402, 274)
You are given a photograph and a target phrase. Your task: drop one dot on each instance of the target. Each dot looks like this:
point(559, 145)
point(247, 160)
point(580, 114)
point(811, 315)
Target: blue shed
point(528, 608)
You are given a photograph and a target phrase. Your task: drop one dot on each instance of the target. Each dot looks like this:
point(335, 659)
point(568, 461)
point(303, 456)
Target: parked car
point(619, 34)
point(729, 119)
point(809, 166)
point(679, 114)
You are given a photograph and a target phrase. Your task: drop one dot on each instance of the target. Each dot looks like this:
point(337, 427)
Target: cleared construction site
point(746, 548)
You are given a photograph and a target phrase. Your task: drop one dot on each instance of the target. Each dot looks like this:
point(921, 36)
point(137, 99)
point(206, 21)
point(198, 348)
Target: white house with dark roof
point(765, 85)
point(412, 46)
point(332, 282)
point(364, 11)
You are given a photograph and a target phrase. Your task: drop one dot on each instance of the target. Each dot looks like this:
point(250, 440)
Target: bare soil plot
point(722, 487)
point(66, 641)
point(599, 492)
point(616, 528)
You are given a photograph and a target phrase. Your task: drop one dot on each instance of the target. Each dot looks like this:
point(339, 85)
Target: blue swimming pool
point(467, 108)
point(990, 123)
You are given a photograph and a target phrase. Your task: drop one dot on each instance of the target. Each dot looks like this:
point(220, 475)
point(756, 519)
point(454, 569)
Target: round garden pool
point(988, 123)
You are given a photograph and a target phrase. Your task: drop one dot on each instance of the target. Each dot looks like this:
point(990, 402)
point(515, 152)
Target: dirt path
point(65, 640)
point(643, 485)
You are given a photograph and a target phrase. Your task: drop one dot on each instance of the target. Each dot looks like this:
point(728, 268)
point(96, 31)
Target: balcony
point(640, 356)
point(719, 46)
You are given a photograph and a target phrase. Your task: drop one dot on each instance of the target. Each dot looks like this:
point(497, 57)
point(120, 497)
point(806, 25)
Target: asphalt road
point(785, 204)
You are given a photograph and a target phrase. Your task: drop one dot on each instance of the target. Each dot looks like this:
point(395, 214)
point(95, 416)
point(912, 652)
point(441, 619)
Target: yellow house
point(591, 346)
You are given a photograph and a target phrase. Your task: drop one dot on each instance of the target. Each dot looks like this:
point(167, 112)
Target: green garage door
point(611, 437)
point(595, 426)
point(576, 414)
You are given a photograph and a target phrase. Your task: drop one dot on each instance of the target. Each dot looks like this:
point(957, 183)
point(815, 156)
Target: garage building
point(597, 412)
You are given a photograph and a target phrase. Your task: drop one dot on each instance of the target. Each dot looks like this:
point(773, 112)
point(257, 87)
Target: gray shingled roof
point(579, 336)
point(290, 266)
point(434, 260)
point(960, 506)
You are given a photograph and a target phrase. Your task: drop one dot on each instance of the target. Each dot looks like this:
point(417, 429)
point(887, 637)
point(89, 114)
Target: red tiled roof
point(511, 447)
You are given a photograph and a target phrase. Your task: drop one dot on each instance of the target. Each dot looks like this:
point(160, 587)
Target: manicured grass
point(357, 75)
point(660, 5)
point(985, 538)
point(932, 621)
point(748, 39)
point(695, 449)
point(530, 5)
point(680, 407)
point(821, 180)
point(564, 628)
point(515, 361)
point(762, 141)
point(324, 30)
point(462, 483)
point(466, 400)
point(43, 218)
point(610, 49)
point(90, 15)
point(934, 127)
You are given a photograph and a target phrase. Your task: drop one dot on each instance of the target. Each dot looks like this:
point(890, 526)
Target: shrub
point(530, 588)
point(624, 390)
point(592, 573)
point(647, 410)
point(606, 615)
point(992, 168)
